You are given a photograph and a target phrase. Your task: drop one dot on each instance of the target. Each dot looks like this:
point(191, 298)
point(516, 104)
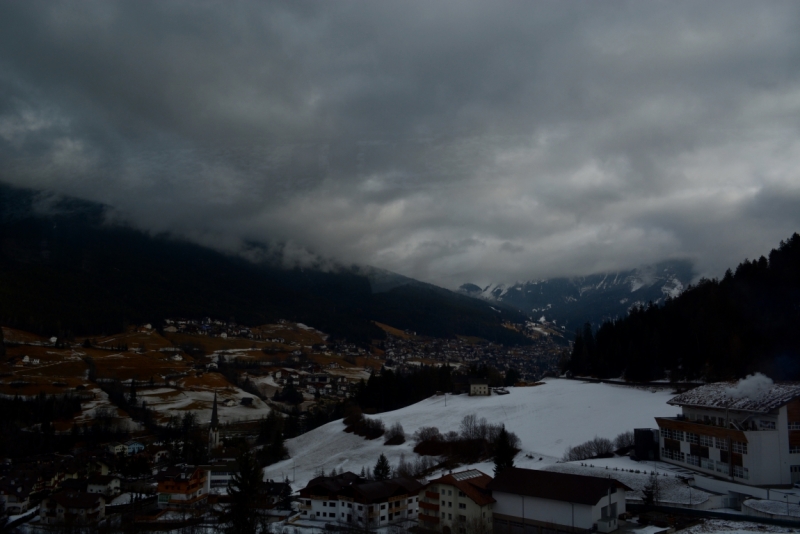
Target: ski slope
point(547, 418)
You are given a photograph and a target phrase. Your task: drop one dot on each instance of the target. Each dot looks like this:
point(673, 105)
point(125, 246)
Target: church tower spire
point(214, 417)
point(213, 429)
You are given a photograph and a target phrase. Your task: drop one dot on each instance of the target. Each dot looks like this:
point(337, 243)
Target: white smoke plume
point(751, 387)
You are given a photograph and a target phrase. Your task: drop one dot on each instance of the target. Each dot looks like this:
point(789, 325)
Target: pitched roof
point(75, 499)
point(579, 489)
point(178, 472)
point(721, 395)
point(354, 486)
point(330, 485)
point(473, 483)
point(382, 490)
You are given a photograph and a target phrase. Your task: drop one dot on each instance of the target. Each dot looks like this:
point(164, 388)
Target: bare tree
point(625, 439)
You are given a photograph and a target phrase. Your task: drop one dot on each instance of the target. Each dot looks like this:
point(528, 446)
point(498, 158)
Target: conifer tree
point(244, 489)
point(503, 452)
point(382, 468)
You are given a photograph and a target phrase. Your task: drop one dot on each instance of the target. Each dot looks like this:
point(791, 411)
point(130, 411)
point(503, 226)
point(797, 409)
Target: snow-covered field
point(171, 401)
point(547, 418)
point(732, 527)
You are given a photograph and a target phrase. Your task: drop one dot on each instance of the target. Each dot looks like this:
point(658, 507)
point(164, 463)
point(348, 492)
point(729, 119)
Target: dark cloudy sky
point(448, 141)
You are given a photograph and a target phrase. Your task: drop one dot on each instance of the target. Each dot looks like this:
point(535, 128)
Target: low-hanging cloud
point(448, 141)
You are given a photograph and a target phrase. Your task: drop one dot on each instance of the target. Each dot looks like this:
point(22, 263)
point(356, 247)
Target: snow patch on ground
point(672, 489)
point(774, 507)
point(179, 401)
point(732, 527)
point(547, 418)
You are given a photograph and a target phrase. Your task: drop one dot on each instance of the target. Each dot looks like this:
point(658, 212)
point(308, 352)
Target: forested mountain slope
point(748, 321)
point(64, 270)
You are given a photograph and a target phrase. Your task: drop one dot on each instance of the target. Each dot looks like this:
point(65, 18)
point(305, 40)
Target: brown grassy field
point(290, 333)
point(13, 335)
point(129, 365)
point(396, 332)
point(150, 340)
point(205, 381)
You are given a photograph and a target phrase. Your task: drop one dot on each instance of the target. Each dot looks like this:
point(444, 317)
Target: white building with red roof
point(746, 432)
point(457, 503)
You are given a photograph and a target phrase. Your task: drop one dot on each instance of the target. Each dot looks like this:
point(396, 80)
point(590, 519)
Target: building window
point(324, 503)
point(706, 441)
point(462, 506)
point(669, 433)
point(462, 494)
point(672, 455)
point(794, 425)
point(449, 516)
point(707, 463)
point(691, 437)
point(740, 447)
point(767, 425)
point(722, 467)
point(741, 472)
point(722, 444)
point(693, 460)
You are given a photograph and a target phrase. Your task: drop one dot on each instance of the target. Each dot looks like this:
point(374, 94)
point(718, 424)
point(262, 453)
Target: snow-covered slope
point(572, 301)
point(547, 418)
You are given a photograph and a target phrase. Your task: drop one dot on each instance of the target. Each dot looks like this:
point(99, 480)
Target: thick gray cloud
point(448, 141)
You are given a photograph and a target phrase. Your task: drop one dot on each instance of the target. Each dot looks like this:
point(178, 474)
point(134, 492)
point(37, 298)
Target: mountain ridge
point(65, 269)
point(595, 298)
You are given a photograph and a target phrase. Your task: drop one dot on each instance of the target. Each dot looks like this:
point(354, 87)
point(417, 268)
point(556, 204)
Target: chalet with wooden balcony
point(73, 508)
point(749, 437)
point(347, 498)
point(181, 487)
point(457, 503)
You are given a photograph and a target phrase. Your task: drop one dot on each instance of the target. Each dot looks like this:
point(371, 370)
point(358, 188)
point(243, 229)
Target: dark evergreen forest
point(717, 329)
point(65, 271)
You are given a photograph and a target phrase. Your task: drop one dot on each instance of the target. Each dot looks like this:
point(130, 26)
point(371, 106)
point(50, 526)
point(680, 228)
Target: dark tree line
point(390, 391)
point(717, 329)
point(27, 425)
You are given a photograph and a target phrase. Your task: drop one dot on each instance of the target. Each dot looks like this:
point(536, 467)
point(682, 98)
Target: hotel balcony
point(424, 518)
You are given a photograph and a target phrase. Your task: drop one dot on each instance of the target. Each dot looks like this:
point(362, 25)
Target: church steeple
point(214, 418)
point(213, 429)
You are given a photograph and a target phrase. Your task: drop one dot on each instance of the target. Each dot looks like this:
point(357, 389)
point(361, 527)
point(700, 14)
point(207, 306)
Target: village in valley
point(182, 378)
point(158, 417)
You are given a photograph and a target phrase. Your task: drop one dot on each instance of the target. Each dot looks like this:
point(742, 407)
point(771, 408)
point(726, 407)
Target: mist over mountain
point(570, 302)
point(64, 268)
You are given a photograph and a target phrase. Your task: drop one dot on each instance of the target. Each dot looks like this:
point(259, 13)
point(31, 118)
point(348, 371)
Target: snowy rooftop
point(763, 399)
